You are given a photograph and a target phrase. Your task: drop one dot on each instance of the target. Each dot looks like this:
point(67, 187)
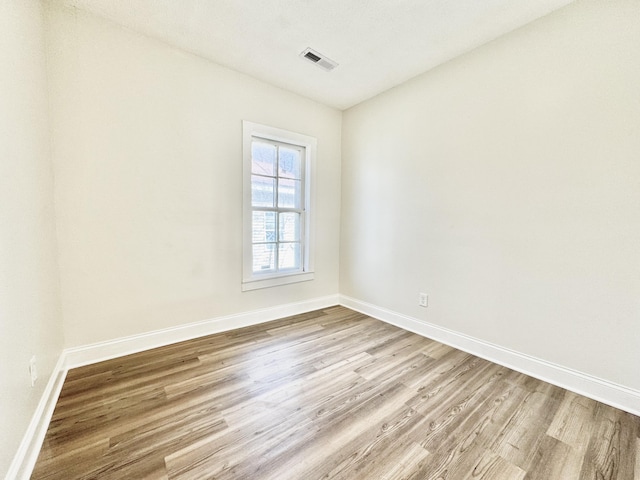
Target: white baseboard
point(87, 354)
point(617, 396)
point(27, 454)
point(606, 392)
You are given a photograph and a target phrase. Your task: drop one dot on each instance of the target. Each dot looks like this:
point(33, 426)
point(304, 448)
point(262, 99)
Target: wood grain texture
point(331, 394)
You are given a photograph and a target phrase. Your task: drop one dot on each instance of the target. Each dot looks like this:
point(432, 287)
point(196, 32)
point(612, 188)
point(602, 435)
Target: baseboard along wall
point(603, 391)
point(98, 352)
point(27, 454)
point(612, 394)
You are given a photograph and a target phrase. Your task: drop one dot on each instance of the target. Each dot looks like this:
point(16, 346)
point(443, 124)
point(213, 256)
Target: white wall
point(147, 152)
point(30, 321)
point(506, 184)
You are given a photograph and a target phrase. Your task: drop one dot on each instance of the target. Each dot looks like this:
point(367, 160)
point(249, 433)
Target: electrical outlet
point(33, 370)
point(423, 300)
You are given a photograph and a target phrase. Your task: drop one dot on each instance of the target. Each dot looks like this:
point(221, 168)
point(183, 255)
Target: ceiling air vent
point(319, 59)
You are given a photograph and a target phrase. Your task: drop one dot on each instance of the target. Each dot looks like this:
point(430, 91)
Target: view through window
point(277, 206)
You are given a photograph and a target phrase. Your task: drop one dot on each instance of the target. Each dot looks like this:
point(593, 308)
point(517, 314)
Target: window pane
point(289, 227)
point(289, 193)
point(264, 257)
point(262, 191)
point(263, 158)
point(289, 256)
point(264, 227)
point(290, 164)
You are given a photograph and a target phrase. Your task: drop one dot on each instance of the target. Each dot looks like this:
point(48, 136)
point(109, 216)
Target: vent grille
point(319, 59)
point(312, 56)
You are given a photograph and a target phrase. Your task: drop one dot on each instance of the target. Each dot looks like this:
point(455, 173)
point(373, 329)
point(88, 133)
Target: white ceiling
point(377, 43)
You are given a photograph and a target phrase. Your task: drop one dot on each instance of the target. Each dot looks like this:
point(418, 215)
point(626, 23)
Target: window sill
point(255, 284)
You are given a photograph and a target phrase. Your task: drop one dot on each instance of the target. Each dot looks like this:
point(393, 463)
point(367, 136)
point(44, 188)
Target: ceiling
point(378, 44)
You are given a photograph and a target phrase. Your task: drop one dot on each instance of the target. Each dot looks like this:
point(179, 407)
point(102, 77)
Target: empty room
point(340, 239)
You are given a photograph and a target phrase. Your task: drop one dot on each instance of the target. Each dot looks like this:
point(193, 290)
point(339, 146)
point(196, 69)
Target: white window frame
point(251, 280)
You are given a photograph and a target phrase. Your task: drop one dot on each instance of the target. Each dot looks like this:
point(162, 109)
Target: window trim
point(250, 280)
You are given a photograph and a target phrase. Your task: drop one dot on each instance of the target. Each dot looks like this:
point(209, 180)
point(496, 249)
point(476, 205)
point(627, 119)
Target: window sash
point(275, 265)
point(280, 243)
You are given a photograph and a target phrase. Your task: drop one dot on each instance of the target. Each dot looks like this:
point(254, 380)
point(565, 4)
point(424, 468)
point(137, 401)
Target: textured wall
point(148, 159)
point(30, 320)
point(506, 184)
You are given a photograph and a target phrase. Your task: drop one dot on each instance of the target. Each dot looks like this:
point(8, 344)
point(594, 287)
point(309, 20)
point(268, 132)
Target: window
point(277, 217)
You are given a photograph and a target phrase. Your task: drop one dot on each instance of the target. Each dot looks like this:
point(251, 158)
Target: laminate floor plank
point(606, 457)
point(637, 467)
point(573, 421)
point(519, 440)
point(380, 451)
point(333, 395)
point(555, 459)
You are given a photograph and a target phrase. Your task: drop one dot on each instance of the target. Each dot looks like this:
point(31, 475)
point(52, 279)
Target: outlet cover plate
point(423, 300)
point(33, 370)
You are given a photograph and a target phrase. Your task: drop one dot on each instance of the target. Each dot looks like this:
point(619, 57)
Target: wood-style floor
point(331, 394)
